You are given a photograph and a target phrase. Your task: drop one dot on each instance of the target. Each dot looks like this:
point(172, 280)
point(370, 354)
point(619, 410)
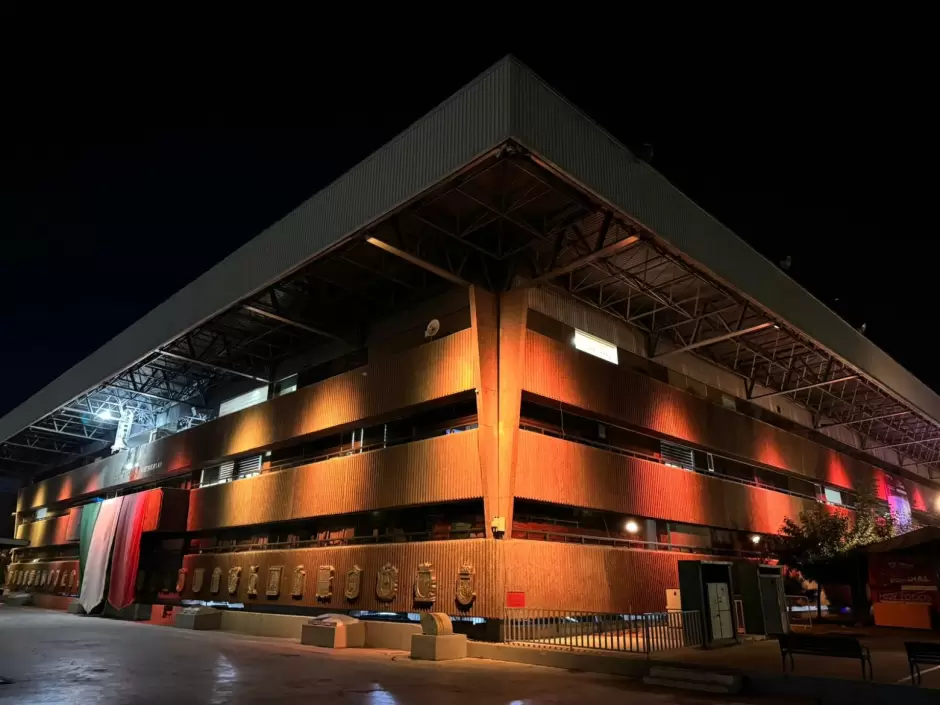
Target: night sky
point(103, 218)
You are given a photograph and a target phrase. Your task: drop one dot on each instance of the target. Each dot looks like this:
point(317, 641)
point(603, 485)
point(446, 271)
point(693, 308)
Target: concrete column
point(513, 307)
point(484, 319)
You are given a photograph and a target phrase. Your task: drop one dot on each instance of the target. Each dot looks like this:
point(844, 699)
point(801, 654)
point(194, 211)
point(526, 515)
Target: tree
point(824, 533)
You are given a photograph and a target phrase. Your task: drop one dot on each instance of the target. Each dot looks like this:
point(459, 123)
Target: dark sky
point(103, 216)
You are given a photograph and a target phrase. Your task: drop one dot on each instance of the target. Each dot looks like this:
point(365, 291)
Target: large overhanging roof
point(503, 182)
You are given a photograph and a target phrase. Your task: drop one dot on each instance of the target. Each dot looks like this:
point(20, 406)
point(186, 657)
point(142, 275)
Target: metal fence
point(631, 633)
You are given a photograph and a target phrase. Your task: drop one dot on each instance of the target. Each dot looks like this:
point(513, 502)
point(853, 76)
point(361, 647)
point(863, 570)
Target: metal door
point(719, 609)
point(773, 604)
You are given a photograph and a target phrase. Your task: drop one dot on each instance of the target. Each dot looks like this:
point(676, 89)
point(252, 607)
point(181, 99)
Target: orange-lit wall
point(441, 469)
point(431, 371)
point(558, 371)
point(46, 532)
point(591, 578)
point(554, 470)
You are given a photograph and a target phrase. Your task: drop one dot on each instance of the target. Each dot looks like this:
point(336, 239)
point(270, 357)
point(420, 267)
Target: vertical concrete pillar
point(484, 320)
point(513, 306)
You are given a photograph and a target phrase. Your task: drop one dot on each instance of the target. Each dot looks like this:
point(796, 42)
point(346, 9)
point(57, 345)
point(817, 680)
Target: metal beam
point(905, 443)
point(20, 460)
point(47, 450)
point(212, 366)
point(417, 261)
point(804, 387)
point(138, 393)
point(65, 433)
point(290, 321)
point(714, 339)
point(607, 251)
point(870, 418)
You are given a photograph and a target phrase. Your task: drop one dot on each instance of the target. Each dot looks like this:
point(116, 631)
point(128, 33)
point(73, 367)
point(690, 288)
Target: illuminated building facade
point(502, 358)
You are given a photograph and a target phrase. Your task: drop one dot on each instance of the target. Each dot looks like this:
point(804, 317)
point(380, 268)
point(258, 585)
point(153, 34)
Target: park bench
point(835, 646)
point(921, 652)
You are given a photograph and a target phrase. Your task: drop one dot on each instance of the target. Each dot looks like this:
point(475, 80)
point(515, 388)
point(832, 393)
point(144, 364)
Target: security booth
point(760, 599)
point(706, 587)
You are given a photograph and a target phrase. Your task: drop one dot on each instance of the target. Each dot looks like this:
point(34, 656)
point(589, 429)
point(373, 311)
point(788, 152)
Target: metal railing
point(587, 539)
point(652, 458)
point(630, 633)
point(449, 534)
point(800, 610)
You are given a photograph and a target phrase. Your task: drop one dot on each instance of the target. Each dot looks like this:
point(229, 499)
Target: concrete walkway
point(62, 659)
point(888, 658)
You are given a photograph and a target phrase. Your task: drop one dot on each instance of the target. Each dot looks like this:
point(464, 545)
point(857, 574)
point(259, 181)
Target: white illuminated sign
point(595, 346)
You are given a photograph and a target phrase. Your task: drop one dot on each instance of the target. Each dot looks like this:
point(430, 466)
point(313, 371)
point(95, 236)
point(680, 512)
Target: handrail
point(475, 532)
point(588, 539)
point(654, 459)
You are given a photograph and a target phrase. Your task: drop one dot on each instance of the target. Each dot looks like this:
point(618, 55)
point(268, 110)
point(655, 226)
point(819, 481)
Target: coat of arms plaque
point(324, 582)
point(234, 575)
point(274, 580)
point(253, 580)
point(425, 590)
point(198, 576)
point(465, 588)
point(298, 582)
point(386, 583)
point(353, 583)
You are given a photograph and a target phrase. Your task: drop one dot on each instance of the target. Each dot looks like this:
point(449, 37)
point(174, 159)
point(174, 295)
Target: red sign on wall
point(515, 599)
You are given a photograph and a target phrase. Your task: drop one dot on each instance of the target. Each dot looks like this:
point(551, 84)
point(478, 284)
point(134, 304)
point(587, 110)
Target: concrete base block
point(390, 635)
point(18, 599)
point(75, 607)
point(135, 612)
point(263, 624)
point(431, 647)
point(202, 618)
point(338, 636)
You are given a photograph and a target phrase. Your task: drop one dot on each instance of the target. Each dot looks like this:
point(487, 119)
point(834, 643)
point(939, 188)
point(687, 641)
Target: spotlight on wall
point(755, 539)
point(632, 527)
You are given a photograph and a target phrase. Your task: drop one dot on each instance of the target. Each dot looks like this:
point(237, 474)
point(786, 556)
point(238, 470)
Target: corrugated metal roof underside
point(507, 101)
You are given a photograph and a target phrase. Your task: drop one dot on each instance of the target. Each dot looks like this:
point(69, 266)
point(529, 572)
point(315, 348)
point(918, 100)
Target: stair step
point(692, 685)
point(682, 674)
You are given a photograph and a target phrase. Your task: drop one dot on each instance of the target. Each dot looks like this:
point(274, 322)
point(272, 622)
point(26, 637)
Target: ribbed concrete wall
point(554, 470)
point(441, 469)
point(46, 532)
point(438, 369)
point(591, 578)
point(446, 558)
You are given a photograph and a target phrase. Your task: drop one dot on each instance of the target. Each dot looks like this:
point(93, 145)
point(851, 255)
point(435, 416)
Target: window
point(231, 470)
point(243, 401)
point(286, 386)
point(676, 456)
point(585, 342)
point(248, 467)
point(41, 513)
point(833, 496)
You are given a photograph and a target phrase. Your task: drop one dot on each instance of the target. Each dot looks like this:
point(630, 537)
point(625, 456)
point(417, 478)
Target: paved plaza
point(55, 658)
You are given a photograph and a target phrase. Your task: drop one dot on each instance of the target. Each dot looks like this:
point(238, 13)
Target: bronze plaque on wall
point(324, 582)
point(274, 580)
